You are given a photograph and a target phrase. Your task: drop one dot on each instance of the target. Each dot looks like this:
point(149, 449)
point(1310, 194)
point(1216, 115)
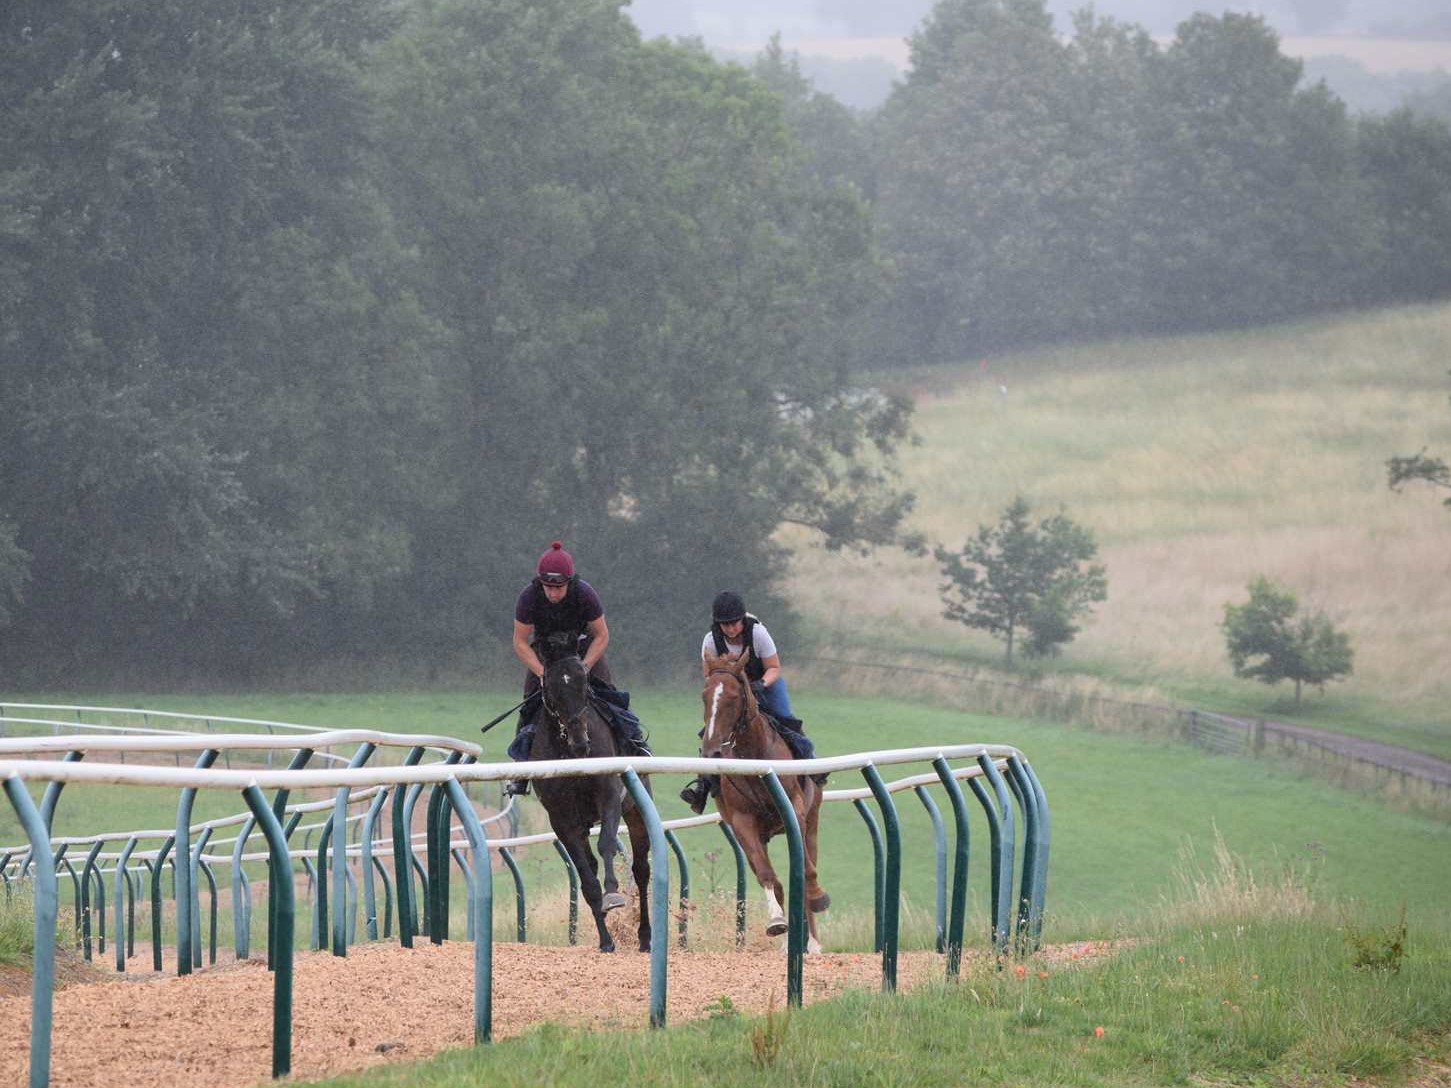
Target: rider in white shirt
point(733, 630)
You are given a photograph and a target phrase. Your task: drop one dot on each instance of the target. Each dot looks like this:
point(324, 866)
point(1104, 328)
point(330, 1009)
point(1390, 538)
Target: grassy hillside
point(1198, 463)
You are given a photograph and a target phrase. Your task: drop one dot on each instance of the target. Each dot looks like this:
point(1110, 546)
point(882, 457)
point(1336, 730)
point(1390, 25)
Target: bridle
point(561, 720)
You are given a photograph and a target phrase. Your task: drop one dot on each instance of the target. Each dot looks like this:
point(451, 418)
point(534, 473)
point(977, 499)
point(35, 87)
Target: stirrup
point(696, 794)
point(516, 787)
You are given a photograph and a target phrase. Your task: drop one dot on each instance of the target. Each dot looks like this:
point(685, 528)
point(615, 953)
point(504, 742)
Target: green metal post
point(196, 906)
point(957, 913)
point(483, 908)
point(1045, 836)
point(730, 837)
point(573, 874)
point(387, 898)
point(461, 859)
point(520, 932)
point(879, 871)
point(47, 907)
point(1027, 800)
point(206, 871)
point(132, 880)
point(100, 905)
point(320, 900)
point(892, 885)
point(75, 889)
point(86, 872)
point(370, 894)
point(680, 861)
point(340, 854)
point(281, 862)
point(241, 905)
point(403, 856)
point(795, 890)
point(122, 877)
point(423, 885)
point(999, 807)
point(156, 873)
point(436, 861)
point(659, 893)
point(48, 801)
point(939, 837)
point(181, 889)
point(274, 877)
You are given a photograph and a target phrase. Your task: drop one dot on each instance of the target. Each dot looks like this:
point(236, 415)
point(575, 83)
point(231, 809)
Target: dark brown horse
point(735, 728)
point(570, 727)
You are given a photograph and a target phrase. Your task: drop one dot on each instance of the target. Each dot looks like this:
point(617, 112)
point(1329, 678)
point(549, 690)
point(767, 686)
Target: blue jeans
point(775, 700)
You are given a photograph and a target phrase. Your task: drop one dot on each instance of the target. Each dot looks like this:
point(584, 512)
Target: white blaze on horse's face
point(714, 710)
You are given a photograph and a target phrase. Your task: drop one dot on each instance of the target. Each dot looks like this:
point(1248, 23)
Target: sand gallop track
point(382, 1004)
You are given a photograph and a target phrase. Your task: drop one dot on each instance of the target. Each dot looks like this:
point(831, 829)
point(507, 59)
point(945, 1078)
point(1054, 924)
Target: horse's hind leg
point(640, 869)
point(817, 899)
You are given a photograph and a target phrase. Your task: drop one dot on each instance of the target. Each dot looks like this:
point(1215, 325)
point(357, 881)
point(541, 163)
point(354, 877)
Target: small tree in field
point(1268, 643)
point(1419, 467)
point(1016, 577)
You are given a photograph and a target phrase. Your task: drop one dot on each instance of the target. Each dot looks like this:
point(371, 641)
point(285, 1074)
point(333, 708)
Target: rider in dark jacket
point(556, 605)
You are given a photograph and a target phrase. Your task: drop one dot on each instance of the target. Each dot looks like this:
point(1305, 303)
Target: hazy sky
point(744, 23)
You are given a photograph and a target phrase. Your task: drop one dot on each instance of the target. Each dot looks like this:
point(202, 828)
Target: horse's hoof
point(613, 901)
point(820, 903)
point(775, 929)
point(607, 946)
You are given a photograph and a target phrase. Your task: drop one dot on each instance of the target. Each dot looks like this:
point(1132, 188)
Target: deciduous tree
point(1017, 576)
point(1269, 641)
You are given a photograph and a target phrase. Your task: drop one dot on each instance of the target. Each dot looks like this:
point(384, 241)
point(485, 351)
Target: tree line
point(318, 320)
point(1031, 187)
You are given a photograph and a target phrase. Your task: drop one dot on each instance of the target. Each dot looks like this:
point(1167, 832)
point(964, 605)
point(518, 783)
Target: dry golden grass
point(1198, 463)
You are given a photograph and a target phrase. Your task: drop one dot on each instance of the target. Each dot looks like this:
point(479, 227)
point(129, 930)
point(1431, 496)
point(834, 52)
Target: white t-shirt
point(761, 642)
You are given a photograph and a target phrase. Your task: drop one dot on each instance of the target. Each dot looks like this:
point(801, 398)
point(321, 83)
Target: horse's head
point(729, 705)
point(559, 645)
point(566, 698)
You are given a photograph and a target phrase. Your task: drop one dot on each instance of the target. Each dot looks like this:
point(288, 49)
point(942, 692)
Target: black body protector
point(563, 626)
point(558, 621)
point(755, 670)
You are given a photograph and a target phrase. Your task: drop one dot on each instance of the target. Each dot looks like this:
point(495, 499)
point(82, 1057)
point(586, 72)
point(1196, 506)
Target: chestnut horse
point(570, 727)
point(735, 728)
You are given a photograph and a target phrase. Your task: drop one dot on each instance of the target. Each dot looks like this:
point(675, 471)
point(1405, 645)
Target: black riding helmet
point(727, 607)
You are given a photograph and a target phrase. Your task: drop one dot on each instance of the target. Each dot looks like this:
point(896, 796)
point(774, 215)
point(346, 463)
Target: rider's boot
point(696, 794)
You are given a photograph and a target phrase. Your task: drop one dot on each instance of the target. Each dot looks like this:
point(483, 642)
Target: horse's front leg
point(748, 834)
point(611, 800)
point(575, 841)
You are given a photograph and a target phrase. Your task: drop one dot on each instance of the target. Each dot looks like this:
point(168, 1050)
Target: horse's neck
point(761, 737)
